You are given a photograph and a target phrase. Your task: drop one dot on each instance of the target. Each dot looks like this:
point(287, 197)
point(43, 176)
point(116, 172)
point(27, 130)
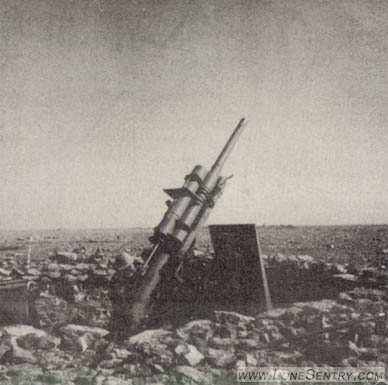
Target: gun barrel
point(219, 163)
point(180, 225)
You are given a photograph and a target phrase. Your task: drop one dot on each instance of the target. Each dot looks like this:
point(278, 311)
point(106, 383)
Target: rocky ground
point(327, 314)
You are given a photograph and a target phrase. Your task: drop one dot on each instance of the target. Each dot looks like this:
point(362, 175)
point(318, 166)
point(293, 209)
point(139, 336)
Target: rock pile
point(71, 286)
point(349, 331)
point(348, 327)
point(305, 278)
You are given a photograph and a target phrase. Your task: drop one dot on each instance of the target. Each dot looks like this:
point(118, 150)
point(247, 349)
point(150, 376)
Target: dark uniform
point(121, 289)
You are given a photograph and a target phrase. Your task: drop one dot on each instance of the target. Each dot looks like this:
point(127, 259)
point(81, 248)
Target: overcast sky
point(104, 103)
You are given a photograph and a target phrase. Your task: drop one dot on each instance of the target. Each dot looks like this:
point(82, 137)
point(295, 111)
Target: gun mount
point(187, 212)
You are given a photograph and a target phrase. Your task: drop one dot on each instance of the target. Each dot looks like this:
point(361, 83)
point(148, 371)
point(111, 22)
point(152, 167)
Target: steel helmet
point(124, 260)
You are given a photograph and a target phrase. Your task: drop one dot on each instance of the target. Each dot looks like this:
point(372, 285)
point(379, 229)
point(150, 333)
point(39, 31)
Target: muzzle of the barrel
point(226, 151)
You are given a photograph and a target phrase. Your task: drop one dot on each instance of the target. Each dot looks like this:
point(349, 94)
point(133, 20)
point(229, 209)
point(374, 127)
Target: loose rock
point(193, 374)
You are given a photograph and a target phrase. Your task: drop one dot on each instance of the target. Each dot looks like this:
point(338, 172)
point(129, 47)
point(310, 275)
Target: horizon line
point(151, 227)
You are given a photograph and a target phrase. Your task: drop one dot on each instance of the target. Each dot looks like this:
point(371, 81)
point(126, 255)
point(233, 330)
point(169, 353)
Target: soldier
point(121, 288)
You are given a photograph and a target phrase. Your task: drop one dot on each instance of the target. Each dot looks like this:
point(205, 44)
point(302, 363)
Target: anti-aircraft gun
point(187, 212)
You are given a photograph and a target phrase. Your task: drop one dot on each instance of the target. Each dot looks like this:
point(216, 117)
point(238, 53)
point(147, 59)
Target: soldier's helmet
point(125, 260)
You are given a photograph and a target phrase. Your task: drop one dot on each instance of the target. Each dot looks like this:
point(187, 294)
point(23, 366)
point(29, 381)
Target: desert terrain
point(328, 285)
